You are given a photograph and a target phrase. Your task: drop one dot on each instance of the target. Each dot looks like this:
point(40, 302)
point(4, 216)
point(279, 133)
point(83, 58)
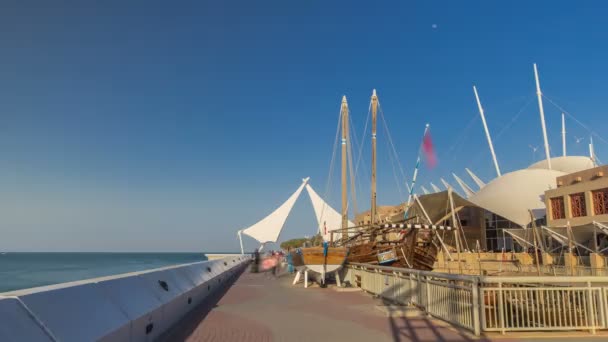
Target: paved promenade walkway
point(261, 308)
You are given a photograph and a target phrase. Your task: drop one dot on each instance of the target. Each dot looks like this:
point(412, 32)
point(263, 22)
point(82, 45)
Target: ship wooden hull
point(314, 259)
point(414, 250)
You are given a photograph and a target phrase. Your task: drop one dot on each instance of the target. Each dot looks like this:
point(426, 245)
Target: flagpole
point(413, 184)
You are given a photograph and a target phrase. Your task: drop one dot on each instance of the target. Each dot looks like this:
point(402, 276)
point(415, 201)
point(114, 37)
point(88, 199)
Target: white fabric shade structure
point(328, 218)
point(514, 193)
point(269, 228)
point(566, 164)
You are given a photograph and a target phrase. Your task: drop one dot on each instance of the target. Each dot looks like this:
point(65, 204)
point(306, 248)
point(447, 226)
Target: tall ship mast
point(373, 210)
point(344, 118)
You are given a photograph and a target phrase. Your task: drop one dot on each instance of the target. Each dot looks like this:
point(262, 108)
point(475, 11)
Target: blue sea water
point(25, 270)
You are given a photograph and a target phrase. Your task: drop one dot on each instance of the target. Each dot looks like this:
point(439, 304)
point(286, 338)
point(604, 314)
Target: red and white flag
point(429, 151)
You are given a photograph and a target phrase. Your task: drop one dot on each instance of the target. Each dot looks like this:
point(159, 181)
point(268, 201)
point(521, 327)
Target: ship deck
point(259, 307)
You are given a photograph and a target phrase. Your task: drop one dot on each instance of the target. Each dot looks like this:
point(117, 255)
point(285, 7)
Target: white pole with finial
point(564, 134)
point(413, 184)
point(591, 151)
point(542, 116)
point(485, 127)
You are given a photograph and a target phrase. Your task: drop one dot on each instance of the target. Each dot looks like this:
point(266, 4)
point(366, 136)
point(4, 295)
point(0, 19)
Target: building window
point(600, 202)
point(557, 208)
point(578, 205)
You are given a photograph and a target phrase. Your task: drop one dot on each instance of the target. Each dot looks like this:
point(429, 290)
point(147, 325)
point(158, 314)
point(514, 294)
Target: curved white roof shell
point(514, 193)
point(566, 164)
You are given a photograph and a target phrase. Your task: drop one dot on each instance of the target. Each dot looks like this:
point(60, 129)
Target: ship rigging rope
point(504, 129)
point(392, 160)
point(394, 156)
point(390, 139)
point(349, 152)
point(359, 158)
point(570, 115)
point(331, 168)
point(459, 141)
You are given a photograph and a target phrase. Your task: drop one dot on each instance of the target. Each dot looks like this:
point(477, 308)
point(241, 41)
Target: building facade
point(579, 199)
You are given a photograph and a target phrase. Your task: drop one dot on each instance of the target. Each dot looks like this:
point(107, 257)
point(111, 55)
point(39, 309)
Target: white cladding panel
point(130, 307)
point(139, 303)
point(79, 313)
point(16, 324)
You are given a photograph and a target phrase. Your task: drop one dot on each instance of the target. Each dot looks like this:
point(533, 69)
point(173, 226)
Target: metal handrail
point(491, 303)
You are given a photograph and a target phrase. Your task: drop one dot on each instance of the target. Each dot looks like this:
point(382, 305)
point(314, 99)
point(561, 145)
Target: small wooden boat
point(314, 258)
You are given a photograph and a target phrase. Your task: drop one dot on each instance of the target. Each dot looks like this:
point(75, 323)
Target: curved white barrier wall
point(135, 306)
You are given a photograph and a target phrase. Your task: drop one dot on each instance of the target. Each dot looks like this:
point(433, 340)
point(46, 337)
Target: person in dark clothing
point(256, 261)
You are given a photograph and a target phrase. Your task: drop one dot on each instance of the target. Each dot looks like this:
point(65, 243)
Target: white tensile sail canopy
point(269, 228)
point(328, 218)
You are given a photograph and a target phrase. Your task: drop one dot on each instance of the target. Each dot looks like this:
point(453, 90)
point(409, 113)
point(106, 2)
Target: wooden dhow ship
point(397, 240)
point(409, 239)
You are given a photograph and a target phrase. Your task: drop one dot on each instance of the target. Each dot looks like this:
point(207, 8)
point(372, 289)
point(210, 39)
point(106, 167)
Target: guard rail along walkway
point(136, 306)
point(490, 303)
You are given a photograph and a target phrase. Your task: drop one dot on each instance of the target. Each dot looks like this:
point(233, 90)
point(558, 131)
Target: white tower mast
point(591, 151)
point(485, 127)
point(542, 116)
point(563, 134)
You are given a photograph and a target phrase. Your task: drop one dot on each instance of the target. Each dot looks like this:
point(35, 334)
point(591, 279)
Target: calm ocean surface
point(24, 270)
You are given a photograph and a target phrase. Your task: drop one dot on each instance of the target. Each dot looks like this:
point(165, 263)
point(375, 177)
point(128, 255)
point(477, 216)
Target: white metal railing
point(503, 304)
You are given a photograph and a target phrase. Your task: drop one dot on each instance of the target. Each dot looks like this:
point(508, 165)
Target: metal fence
point(503, 304)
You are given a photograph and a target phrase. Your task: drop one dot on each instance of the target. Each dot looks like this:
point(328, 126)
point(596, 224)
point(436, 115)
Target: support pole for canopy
point(476, 179)
point(535, 243)
point(566, 239)
point(570, 238)
point(446, 184)
point(563, 134)
point(465, 188)
point(455, 229)
point(373, 193)
point(445, 248)
point(426, 215)
point(344, 111)
point(241, 241)
point(423, 211)
point(519, 239)
point(539, 94)
point(435, 188)
point(485, 127)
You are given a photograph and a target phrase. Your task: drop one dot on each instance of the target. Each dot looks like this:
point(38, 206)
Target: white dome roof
point(566, 164)
point(514, 193)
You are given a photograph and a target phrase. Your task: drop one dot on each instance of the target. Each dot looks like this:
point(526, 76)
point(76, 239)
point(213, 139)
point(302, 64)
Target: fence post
point(590, 312)
point(413, 290)
point(427, 307)
point(476, 306)
point(501, 312)
point(603, 307)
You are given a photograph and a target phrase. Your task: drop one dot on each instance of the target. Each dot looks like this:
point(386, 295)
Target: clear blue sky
point(155, 125)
